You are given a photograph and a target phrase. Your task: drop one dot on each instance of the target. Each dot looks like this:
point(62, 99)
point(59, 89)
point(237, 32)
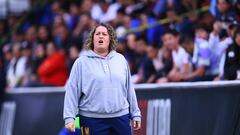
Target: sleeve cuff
point(137, 118)
point(69, 120)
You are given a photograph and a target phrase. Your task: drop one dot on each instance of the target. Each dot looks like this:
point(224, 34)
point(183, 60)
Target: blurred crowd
point(201, 46)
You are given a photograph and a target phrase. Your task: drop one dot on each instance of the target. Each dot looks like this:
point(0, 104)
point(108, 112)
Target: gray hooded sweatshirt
point(100, 87)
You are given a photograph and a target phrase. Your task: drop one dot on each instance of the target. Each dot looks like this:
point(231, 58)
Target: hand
point(136, 125)
point(70, 126)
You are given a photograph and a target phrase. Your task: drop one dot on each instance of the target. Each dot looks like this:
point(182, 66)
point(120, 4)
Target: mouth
point(100, 41)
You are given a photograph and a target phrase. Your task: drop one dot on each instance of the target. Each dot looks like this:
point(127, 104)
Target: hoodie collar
point(91, 53)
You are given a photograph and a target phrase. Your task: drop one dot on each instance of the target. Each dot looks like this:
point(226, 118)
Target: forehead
point(167, 35)
point(101, 29)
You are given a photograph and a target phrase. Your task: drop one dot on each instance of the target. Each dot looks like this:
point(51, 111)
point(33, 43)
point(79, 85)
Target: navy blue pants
point(105, 126)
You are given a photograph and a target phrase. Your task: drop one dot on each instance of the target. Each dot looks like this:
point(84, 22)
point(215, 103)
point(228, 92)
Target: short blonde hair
point(88, 45)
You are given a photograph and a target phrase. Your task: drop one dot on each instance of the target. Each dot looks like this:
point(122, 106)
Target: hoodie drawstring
point(109, 69)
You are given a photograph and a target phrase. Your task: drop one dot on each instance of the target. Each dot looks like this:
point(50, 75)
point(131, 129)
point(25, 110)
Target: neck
point(102, 53)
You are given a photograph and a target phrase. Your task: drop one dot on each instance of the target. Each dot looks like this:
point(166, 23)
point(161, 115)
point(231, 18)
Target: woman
point(100, 90)
point(232, 59)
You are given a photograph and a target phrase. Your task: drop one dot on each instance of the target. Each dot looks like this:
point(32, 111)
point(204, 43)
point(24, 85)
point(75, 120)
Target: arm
point(197, 73)
point(73, 93)
point(49, 67)
point(131, 97)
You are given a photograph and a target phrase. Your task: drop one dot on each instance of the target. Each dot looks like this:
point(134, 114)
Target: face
point(222, 6)
point(43, 33)
point(201, 34)
point(39, 51)
point(237, 39)
point(141, 47)
point(131, 41)
point(151, 52)
point(101, 39)
point(188, 47)
point(170, 41)
point(50, 49)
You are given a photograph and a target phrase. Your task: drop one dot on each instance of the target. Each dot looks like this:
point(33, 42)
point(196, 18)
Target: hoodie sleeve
point(132, 99)
point(73, 93)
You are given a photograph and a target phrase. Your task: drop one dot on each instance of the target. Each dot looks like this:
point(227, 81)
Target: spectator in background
point(181, 64)
point(81, 30)
point(232, 63)
point(224, 10)
point(73, 19)
point(43, 35)
point(140, 60)
point(17, 67)
point(73, 55)
point(31, 36)
point(104, 11)
point(200, 53)
point(7, 55)
point(160, 62)
point(62, 38)
point(40, 56)
point(26, 51)
point(237, 9)
point(130, 53)
point(53, 70)
point(220, 38)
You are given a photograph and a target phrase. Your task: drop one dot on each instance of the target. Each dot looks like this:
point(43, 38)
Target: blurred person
point(232, 62)
point(224, 10)
point(161, 6)
point(160, 63)
point(17, 36)
point(43, 34)
point(53, 70)
point(101, 74)
point(40, 56)
point(3, 29)
point(140, 60)
point(182, 24)
point(11, 21)
point(73, 55)
point(219, 43)
point(103, 11)
point(152, 33)
point(73, 13)
point(26, 51)
point(237, 9)
point(7, 55)
point(181, 63)
point(62, 38)
point(82, 30)
point(86, 6)
point(17, 67)
point(58, 21)
point(130, 54)
point(200, 60)
point(31, 36)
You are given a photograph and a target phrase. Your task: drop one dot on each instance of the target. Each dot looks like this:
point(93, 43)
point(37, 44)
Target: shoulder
point(119, 55)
